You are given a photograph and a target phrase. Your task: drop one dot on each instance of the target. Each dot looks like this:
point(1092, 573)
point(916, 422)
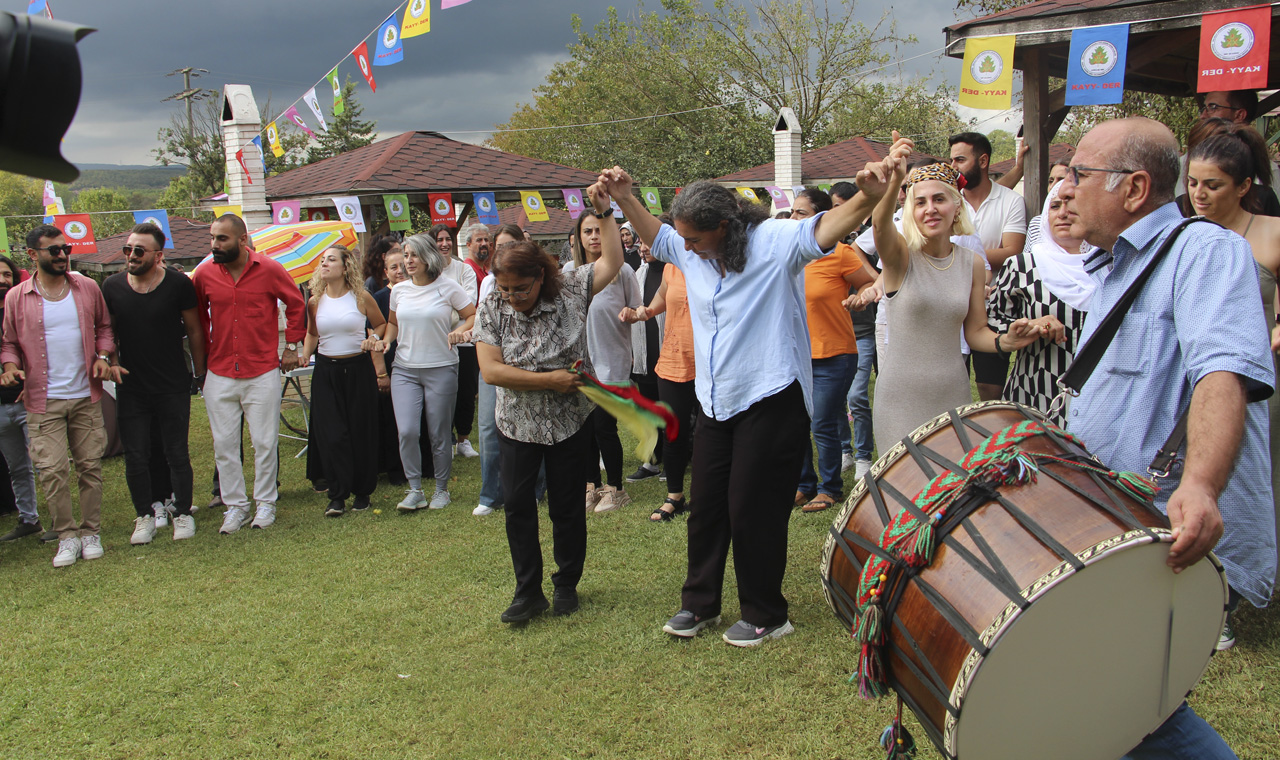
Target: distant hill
point(126, 177)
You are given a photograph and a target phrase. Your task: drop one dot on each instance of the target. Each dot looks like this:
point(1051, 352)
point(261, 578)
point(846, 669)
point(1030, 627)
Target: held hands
point(102, 370)
point(116, 373)
point(631, 316)
point(373, 343)
point(1024, 332)
point(861, 300)
point(562, 381)
point(290, 360)
point(459, 336)
point(615, 182)
point(1197, 525)
point(599, 196)
point(12, 377)
point(878, 176)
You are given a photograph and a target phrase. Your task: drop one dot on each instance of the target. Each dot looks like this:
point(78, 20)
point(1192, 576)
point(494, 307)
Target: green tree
point(21, 202)
point(97, 200)
point(917, 109)
point(1003, 145)
point(346, 130)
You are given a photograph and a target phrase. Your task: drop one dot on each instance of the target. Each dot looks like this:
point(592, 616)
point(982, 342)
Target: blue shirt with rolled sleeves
point(1199, 313)
point(750, 335)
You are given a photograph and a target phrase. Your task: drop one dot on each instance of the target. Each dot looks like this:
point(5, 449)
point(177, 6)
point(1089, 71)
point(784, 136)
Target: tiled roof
point(1048, 8)
point(422, 162)
point(839, 161)
point(190, 241)
point(559, 225)
point(1057, 152)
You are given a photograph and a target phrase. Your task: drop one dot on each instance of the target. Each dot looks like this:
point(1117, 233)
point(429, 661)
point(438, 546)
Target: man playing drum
point(1190, 340)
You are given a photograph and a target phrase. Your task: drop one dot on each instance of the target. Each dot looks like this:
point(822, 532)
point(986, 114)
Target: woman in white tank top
point(343, 441)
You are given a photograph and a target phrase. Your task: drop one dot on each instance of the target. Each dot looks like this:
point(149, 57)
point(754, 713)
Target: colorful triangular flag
point(292, 115)
point(447, 4)
point(397, 211)
point(273, 139)
point(338, 105)
point(160, 218)
point(389, 50)
point(573, 202)
point(486, 208)
point(349, 210)
point(534, 208)
point(361, 52)
point(417, 19)
point(309, 97)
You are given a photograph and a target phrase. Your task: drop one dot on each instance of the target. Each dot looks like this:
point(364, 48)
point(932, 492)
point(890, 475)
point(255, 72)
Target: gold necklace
point(150, 287)
point(951, 256)
point(47, 297)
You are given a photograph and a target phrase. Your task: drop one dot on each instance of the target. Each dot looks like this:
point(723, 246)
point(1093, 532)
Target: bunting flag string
point(534, 208)
point(286, 212)
point(349, 210)
point(779, 197)
point(314, 104)
point(160, 218)
point(78, 230)
point(573, 202)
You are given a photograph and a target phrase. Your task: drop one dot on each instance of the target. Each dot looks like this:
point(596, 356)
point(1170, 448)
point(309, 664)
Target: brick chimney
point(240, 124)
point(786, 150)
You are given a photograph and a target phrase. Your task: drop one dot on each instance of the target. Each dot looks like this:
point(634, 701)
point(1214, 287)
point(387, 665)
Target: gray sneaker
point(686, 625)
point(744, 634)
point(413, 500)
point(233, 520)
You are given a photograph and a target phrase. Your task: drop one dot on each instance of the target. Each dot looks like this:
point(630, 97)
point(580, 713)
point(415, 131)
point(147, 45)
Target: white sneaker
point(68, 552)
point(466, 449)
point(234, 520)
point(265, 517)
point(439, 500)
point(860, 468)
point(144, 529)
point(482, 511)
point(90, 547)
point(161, 511)
point(414, 499)
point(184, 526)
point(847, 461)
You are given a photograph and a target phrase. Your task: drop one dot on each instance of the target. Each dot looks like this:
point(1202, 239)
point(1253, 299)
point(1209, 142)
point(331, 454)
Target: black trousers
point(145, 422)
point(464, 409)
point(683, 400)
point(745, 472)
point(520, 463)
point(603, 443)
point(344, 424)
point(648, 385)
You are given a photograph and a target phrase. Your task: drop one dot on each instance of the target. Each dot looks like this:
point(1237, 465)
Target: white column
point(240, 124)
point(786, 151)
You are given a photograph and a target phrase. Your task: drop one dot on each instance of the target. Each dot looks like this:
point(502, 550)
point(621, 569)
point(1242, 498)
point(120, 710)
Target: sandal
point(662, 515)
point(818, 503)
point(803, 498)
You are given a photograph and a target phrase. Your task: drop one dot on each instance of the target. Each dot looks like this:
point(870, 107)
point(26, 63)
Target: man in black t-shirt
point(152, 310)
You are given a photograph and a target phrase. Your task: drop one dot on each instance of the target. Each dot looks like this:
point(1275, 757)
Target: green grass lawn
point(376, 635)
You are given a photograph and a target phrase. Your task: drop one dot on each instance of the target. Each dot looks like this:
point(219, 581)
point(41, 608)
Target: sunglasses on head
point(56, 250)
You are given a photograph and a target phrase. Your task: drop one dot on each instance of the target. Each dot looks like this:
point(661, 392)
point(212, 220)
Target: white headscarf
point(1061, 271)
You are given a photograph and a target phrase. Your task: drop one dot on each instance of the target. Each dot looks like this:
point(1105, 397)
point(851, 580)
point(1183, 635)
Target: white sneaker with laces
point(265, 517)
point(847, 460)
point(184, 526)
point(466, 449)
point(439, 500)
point(68, 552)
point(161, 511)
point(90, 547)
point(414, 499)
point(482, 510)
point(144, 529)
point(860, 468)
point(234, 520)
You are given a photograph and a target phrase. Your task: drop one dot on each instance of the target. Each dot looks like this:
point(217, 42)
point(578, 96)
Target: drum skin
point(1073, 518)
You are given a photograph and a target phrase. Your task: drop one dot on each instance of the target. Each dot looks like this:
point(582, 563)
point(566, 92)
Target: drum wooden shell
point(1104, 554)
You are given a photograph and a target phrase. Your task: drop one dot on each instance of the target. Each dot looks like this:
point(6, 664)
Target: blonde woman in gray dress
point(932, 289)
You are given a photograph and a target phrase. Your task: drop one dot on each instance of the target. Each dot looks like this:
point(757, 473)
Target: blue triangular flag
point(1095, 66)
point(160, 218)
point(258, 141)
point(486, 208)
point(389, 49)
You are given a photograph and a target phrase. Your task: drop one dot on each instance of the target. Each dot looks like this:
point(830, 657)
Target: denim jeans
point(490, 480)
point(1184, 736)
point(137, 415)
point(13, 446)
point(860, 403)
point(831, 379)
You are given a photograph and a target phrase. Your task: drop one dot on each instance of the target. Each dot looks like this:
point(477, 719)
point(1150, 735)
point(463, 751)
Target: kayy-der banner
point(389, 50)
point(317, 214)
point(1235, 48)
point(286, 212)
point(338, 106)
point(236, 210)
point(314, 104)
point(780, 199)
point(417, 19)
point(573, 202)
point(486, 208)
point(348, 207)
point(986, 80)
point(1095, 65)
point(361, 52)
point(442, 209)
point(273, 137)
point(652, 200)
point(78, 231)
point(534, 208)
point(292, 115)
point(160, 218)
point(397, 211)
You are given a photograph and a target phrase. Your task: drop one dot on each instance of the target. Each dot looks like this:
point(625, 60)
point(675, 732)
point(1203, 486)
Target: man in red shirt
point(236, 296)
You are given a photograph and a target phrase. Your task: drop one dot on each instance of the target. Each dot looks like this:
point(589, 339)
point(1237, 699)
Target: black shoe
point(642, 473)
point(360, 503)
point(336, 508)
point(522, 608)
point(22, 530)
point(49, 536)
point(565, 602)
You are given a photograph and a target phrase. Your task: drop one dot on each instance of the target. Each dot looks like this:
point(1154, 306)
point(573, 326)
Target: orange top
point(676, 362)
point(830, 328)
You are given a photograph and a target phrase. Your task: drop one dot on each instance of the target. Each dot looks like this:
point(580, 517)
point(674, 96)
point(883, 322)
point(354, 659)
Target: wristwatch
point(606, 214)
point(105, 357)
point(291, 346)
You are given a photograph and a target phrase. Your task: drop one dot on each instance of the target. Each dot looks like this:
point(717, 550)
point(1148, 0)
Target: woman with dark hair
point(446, 240)
point(834, 352)
point(754, 381)
point(374, 271)
point(609, 349)
point(532, 329)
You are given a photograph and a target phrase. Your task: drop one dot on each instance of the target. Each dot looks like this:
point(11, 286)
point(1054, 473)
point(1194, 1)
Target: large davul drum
point(1013, 591)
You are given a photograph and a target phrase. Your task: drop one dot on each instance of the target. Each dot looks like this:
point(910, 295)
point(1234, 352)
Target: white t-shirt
point(1002, 211)
point(68, 378)
point(462, 273)
point(425, 317)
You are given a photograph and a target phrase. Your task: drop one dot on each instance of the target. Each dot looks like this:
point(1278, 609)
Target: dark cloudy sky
point(469, 73)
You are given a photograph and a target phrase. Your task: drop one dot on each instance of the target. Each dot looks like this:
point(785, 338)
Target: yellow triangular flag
point(986, 81)
point(417, 19)
point(220, 210)
point(273, 138)
point(534, 208)
point(749, 194)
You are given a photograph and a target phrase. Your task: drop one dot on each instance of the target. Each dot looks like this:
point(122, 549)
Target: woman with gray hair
point(425, 371)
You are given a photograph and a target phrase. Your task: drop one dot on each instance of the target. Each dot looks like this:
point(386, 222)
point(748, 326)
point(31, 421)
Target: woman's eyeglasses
point(508, 295)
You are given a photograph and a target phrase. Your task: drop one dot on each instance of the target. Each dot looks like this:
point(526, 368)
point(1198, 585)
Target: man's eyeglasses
point(56, 250)
point(1073, 172)
point(129, 250)
point(507, 295)
point(1214, 108)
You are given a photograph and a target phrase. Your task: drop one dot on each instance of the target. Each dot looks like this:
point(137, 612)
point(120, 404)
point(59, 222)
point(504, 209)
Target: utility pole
point(189, 94)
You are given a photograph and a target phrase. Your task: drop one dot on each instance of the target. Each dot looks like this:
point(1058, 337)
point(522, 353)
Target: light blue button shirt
point(1199, 313)
point(750, 335)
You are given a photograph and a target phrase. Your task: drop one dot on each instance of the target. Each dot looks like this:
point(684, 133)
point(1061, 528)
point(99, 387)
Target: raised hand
point(616, 182)
point(599, 196)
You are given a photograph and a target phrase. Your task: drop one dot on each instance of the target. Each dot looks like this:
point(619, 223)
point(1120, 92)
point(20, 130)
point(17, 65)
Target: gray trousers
point(436, 390)
point(13, 445)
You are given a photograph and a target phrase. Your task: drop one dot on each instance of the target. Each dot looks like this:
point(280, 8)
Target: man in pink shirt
point(58, 342)
point(236, 296)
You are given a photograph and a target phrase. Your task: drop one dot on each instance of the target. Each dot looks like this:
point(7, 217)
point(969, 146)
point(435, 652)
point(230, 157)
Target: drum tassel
point(896, 740)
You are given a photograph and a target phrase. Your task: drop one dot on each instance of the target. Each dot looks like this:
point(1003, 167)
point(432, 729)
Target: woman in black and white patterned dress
point(1046, 279)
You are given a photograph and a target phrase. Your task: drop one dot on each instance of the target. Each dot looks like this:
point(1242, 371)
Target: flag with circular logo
point(273, 139)
point(78, 230)
point(749, 194)
point(796, 190)
point(417, 19)
point(780, 199)
point(442, 209)
point(309, 97)
point(338, 106)
point(296, 118)
point(348, 207)
point(361, 52)
point(389, 49)
point(573, 202)
point(986, 79)
point(235, 210)
point(652, 200)
point(447, 4)
point(286, 212)
point(1235, 49)
point(316, 215)
point(397, 211)
point(1095, 65)
point(160, 218)
point(534, 208)
point(486, 208)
